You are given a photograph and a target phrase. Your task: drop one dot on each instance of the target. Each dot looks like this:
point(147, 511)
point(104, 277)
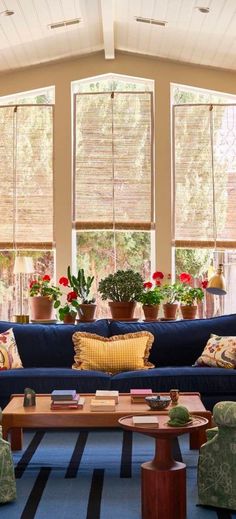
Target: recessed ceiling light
point(7, 13)
point(64, 23)
point(204, 10)
point(151, 21)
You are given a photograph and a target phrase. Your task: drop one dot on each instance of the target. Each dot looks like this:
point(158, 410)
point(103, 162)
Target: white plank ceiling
point(189, 36)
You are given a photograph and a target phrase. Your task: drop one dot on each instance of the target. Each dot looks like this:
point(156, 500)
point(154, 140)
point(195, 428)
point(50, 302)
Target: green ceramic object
point(179, 416)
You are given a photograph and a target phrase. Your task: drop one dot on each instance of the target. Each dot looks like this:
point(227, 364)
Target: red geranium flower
point(33, 282)
point(64, 281)
point(185, 277)
point(204, 283)
point(46, 277)
point(148, 284)
point(71, 295)
point(158, 275)
point(158, 283)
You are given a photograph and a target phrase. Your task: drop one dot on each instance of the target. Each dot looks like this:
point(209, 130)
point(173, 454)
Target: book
point(76, 405)
point(141, 392)
point(66, 402)
point(145, 420)
point(138, 395)
point(63, 394)
point(103, 394)
point(102, 405)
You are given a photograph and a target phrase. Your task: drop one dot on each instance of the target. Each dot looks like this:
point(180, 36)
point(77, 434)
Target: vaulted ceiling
point(205, 36)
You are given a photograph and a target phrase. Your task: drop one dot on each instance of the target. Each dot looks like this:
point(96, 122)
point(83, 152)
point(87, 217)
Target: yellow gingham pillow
point(127, 352)
point(219, 352)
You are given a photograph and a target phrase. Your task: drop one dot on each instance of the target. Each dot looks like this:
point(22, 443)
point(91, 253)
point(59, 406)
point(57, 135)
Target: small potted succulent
point(122, 290)
point(152, 296)
point(44, 296)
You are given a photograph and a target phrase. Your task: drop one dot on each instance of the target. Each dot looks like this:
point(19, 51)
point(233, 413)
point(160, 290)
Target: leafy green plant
point(81, 285)
point(123, 285)
point(42, 287)
point(172, 292)
point(151, 296)
point(189, 295)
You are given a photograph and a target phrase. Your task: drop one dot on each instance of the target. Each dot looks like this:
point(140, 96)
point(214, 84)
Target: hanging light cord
point(113, 180)
point(213, 175)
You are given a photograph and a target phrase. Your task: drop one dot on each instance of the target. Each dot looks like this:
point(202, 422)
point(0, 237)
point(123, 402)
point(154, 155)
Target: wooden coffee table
point(163, 480)
point(15, 417)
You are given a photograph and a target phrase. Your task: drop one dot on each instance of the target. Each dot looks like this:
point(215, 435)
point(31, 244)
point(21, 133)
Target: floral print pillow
point(219, 352)
point(9, 355)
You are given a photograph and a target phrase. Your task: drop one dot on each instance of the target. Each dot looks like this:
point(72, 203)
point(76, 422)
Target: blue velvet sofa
point(47, 354)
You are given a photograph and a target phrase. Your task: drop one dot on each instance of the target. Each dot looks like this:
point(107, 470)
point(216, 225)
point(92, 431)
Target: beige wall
point(163, 73)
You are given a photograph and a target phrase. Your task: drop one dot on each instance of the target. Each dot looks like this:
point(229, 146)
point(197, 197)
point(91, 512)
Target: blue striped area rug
point(91, 474)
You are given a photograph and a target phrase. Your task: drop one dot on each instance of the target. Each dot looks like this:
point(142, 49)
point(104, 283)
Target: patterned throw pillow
point(127, 352)
point(219, 352)
point(9, 356)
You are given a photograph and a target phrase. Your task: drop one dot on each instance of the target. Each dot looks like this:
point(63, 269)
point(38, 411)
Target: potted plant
point(122, 289)
point(81, 284)
point(151, 297)
point(43, 297)
point(171, 294)
point(67, 312)
point(189, 296)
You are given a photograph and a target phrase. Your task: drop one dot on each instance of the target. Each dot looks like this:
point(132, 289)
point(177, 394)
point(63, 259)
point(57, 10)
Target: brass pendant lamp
point(216, 284)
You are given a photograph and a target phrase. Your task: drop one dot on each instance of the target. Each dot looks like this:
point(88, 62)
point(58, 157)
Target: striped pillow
point(112, 355)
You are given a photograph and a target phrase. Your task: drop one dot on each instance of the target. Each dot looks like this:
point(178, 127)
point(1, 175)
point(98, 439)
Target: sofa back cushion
point(49, 345)
point(178, 343)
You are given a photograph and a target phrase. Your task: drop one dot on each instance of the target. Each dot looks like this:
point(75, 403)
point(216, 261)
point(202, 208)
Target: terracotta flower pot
point(150, 312)
point(170, 310)
point(86, 312)
point(188, 311)
point(122, 309)
point(69, 318)
point(41, 307)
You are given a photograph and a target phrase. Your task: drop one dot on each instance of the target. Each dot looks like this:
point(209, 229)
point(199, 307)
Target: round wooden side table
point(163, 480)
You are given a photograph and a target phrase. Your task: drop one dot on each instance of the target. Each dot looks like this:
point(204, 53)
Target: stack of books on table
point(138, 395)
point(66, 399)
point(103, 394)
point(98, 404)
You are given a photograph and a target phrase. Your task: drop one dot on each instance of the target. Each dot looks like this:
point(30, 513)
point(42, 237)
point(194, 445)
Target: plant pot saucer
point(150, 320)
point(123, 319)
point(86, 320)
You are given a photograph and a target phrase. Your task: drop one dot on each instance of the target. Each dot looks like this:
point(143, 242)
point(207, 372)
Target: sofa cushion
point(44, 380)
point(178, 343)
point(9, 356)
point(44, 345)
point(219, 352)
point(114, 354)
point(205, 380)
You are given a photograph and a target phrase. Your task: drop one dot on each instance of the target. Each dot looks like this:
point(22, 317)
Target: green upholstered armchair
point(7, 476)
point(217, 460)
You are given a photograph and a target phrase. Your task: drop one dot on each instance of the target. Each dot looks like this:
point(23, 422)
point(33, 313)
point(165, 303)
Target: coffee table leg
point(16, 437)
point(163, 485)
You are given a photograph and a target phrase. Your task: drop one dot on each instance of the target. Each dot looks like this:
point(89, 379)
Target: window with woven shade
point(113, 167)
point(26, 172)
point(205, 176)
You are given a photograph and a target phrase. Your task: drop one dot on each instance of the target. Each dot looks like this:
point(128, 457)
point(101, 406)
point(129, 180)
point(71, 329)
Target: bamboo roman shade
point(26, 172)
point(113, 169)
point(205, 176)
